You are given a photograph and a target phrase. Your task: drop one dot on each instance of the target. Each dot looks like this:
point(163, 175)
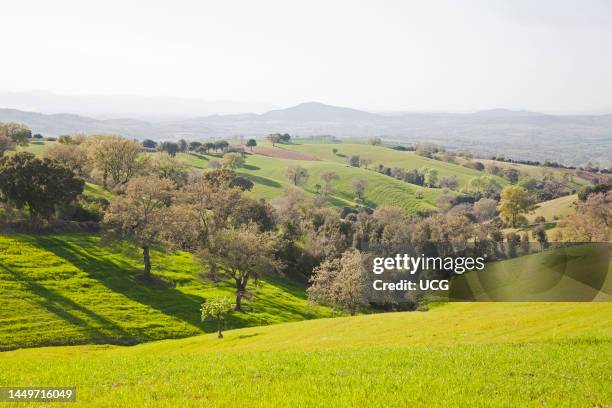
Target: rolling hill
point(75, 289)
point(555, 354)
point(269, 176)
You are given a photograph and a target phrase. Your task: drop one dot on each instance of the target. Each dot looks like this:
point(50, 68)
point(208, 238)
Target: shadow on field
point(100, 328)
point(261, 180)
point(121, 277)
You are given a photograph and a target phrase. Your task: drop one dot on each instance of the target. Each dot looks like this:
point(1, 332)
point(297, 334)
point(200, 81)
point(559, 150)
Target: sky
point(381, 55)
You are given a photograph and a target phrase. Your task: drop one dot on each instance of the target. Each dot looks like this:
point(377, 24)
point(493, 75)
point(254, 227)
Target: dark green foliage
point(41, 185)
point(584, 192)
point(149, 144)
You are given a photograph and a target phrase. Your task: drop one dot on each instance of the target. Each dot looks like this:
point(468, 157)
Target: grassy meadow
point(75, 289)
point(554, 209)
point(269, 177)
point(479, 354)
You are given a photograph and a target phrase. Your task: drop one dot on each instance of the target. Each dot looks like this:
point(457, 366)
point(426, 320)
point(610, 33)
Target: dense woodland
point(156, 201)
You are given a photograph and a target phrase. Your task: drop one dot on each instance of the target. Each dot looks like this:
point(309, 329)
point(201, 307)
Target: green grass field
point(478, 354)
point(385, 156)
point(559, 208)
point(75, 289)
point(36, 147)
point(269, 176)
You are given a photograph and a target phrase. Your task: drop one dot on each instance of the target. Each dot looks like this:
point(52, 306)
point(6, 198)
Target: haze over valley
point(518, 134)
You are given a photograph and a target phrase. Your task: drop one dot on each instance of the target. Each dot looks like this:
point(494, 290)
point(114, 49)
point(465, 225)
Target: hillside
point(555, 354)
point(387, 157)
point(269, 176)
point(555, 209)
point(74, 289)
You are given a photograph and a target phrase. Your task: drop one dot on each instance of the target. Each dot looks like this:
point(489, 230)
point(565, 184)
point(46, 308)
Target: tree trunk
point(220, 327)
point(240, 285)
point(147, 262)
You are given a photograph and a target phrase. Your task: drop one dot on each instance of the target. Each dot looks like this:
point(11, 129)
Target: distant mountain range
point(571, 139)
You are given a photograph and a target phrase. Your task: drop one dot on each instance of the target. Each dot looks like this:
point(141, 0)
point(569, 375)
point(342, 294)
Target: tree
point(512, 175)
point(194, 146)
point(365, 162)
point(285, 138)
point(449, 182)
point(539, 233)
point(170, 168)
point(328, 176)
point(149, 144)
point(208, 146)
point(233, 161)
point(182, 145)
point(359, 185)
point(430, 177)
point(592, 221)
point(41, 185)
point(485, 209)
point(513, 241)
point(514, 202)
point(65, 139)
point(17, 132)
point(354, 160)
point(243, 254)
point(297, 175)
point(251, 143)
point(221, 145)
point(217, 309)
point(71, 156)
point(113, 158)
point(486, 186)
point(375, 141)
point(340, 282)
point(6, 144)
point(335, 151)
point(140, 214)
point(169, 147)
point(274, 138)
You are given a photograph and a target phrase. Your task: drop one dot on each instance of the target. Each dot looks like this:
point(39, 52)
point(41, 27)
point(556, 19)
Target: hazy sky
point(378, 55)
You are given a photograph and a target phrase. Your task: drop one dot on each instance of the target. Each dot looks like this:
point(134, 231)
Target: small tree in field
point(140, 214)
point(233, 161)
point(217, 309)
point(297, 175)
point(251, 143)
point(243, 254)
point(328, 177)
point(359, 186)
point(274, 138)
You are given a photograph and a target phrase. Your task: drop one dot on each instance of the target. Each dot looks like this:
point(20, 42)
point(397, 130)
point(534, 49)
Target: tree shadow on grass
point(261, 180)
point(250, 167)
point(101, 329)
point(121, 277)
